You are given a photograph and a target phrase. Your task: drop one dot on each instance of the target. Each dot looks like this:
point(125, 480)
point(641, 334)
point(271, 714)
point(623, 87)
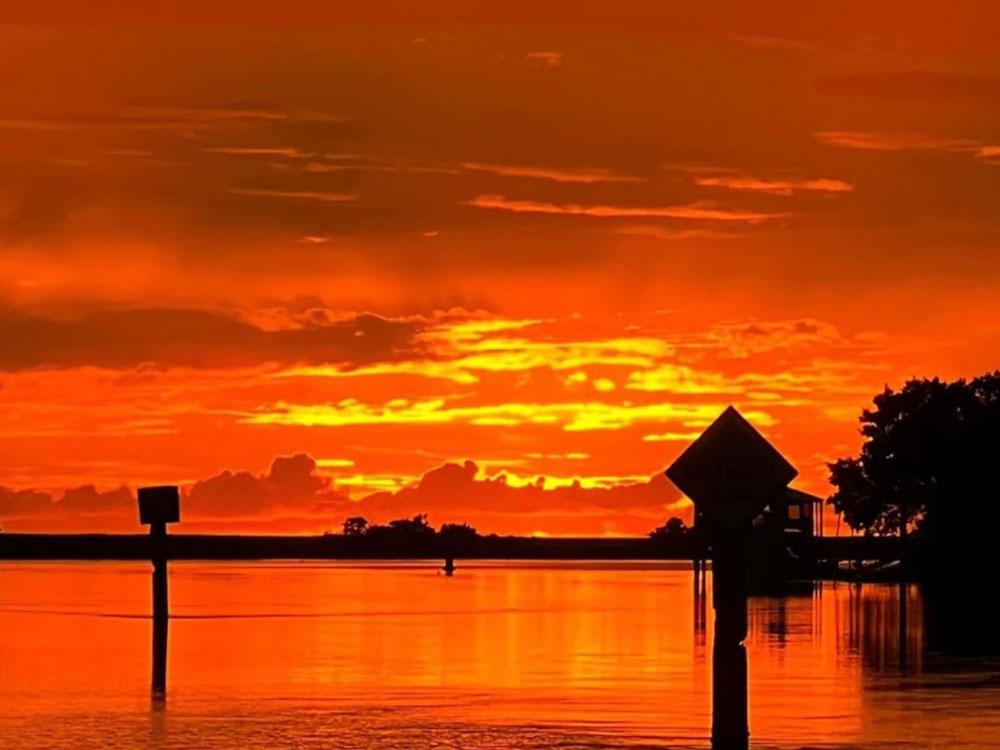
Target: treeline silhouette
point(674, 534)
point(928, 468)
point(416, 527)
point(674, 530)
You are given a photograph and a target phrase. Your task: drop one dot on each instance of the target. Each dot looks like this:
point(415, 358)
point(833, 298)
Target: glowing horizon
point(395, 243)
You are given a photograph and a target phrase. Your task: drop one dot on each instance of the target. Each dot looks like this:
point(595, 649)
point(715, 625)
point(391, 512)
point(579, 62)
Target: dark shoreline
point(334, 546)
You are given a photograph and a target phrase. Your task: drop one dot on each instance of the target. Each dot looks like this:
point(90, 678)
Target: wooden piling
point(161, 608)
point(159, 506)
point(730, 583)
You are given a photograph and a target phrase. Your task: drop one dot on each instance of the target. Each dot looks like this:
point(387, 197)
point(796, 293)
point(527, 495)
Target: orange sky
point(556, 243)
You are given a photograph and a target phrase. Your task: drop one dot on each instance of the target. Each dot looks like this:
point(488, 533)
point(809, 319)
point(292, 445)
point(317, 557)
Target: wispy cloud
point(667, 234)
point(867, 141)
point(544, 59)
point(569, 416)
point(672, 437)
point(680, 379)
point(196, 338)
point(695, 212)
point(777, 186)
point(745, 338)
point(463, 351)
point(585, 176)
point(306, 195)
point(286, 152)
point(164, 117)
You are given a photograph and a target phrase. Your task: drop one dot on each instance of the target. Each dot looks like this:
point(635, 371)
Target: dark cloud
point(195, 338)
point(291, 483)
point(450, 492)
point(87, 501)
point(137, 168)
point(454, 492)
point(24, 503)
point(291, 496)
point(81, 506)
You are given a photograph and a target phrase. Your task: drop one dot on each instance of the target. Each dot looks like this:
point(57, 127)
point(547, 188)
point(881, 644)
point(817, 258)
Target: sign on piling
point(159, 506)
point(730, 472)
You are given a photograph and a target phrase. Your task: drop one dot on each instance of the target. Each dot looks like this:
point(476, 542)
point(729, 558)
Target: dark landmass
point(363, 547)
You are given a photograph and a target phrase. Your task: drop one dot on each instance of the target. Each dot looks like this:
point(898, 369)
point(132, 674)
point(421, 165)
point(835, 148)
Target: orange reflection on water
point(399, 655)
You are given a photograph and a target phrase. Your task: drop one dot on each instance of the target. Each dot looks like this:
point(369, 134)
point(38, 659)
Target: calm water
point(526, 656)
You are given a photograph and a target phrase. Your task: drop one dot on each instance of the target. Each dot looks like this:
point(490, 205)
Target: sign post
point(159, 506)
point(730, 472)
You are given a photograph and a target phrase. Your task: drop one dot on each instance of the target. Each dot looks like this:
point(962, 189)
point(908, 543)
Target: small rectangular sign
point(159, 505)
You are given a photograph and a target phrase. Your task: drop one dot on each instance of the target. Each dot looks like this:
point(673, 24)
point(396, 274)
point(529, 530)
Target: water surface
point(311, 655)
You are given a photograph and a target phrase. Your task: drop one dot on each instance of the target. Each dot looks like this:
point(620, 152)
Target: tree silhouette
point(458, 532)
point(355, 526)
point(416, 526)
point(929, 466)
point(927, 459)
point(404, 528)
point(673, 529)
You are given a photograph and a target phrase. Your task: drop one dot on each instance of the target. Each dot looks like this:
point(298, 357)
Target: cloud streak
point(305, 195)
point(286, 152)
point(776, 187)
point(868, 141)
point(166, 117)
point(568, 416)
point(545, 59)
point(195, 338)
point(581, 176)
point(691, 212)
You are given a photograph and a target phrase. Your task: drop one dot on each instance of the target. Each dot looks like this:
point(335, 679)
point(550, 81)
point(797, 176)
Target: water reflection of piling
point(779, 626)
point(903, 593)
point(700, 596)
point(449, 566)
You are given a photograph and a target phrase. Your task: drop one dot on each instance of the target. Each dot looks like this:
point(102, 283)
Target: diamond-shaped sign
point(731, 471)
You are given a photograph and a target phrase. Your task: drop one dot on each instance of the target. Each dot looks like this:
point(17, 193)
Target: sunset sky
point(498, 265)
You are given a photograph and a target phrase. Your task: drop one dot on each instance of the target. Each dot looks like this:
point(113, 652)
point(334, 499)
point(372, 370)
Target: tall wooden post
point(730, 726)
point(161, 606)
point(159, 506)
point(731, 473)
